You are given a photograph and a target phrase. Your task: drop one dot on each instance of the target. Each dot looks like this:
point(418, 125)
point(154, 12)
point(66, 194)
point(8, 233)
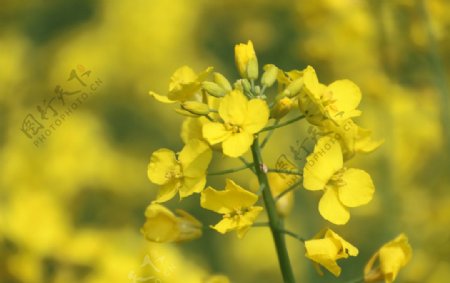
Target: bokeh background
point(71, 207)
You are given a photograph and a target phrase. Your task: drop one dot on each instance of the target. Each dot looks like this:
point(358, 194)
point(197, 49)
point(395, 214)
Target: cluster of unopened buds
point(229, 119)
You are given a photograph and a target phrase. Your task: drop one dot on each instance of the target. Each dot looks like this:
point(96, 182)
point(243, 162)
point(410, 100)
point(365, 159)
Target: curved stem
point(275, 222)
point(291, 188)
point(282, 124)
point(232, 170)
point(269, 134)
point(284, 171)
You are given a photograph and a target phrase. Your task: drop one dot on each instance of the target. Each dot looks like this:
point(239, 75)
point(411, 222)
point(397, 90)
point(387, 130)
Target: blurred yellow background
point(72, 203)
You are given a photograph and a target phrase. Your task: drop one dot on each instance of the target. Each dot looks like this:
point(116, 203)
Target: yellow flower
point(337, 101)
point(391, 258)
point(244, 55)
point(326, 248)
point(235, 204)
point(163, 226)
point(352, 138)
point(342, 187)
point(241, 120)
point(184, 85)
point(185, 174)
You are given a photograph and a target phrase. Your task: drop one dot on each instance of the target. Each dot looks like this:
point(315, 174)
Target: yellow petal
point(242, 55)
point(195, 158)
point(237, 144)
point(323, 252)
point(364, 142)
point(168, 191)
point(233, 108)
point(394, 255)
point(225, 225)
point(257, 116)
point(192, 129)
point(332, 209)
point(161, 98)
point(161, 224)
point(192, 185)
point(346, 97)
point(232, 198)
point(357, 188)
point(311, 83)
point(345, 248)
point(215, 132)
point(322, 163)
point(161, 163)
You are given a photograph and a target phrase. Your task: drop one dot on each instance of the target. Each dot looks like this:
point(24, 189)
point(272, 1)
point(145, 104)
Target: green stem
point(291, 188)
point(269, 134)
point(284, 171)
point(232, 170)
point(248, 164)
point(283, 124)
point(275, 222)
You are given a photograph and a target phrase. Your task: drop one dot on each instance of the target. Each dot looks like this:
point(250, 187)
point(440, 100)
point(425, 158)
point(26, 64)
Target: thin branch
point(292, 234)
point(283, 171)
point(232, 170)
point(266, 138)
point(283, 124)
point(291, 188)
point(248, 164)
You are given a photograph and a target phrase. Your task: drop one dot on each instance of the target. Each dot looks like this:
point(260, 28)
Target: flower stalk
point(275, 222)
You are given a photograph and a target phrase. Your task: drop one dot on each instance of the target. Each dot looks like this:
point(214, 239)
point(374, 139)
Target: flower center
point(233, 128)
point(336, 179)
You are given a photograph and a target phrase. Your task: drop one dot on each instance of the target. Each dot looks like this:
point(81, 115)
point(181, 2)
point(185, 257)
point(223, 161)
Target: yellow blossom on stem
point(185, 173)
point(242, 118)
point(163, 226)
point(337, 101)
point(326, 248)
point(391, 257)
point(343, 187)
point(235, 204)
point(244, 55)
point(184, 85)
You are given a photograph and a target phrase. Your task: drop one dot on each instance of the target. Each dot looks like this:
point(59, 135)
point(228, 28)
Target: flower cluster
point(228, 118)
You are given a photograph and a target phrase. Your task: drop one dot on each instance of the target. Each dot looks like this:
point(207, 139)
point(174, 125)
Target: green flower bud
point(196, 108)
point(222, 81)
point(270, 75)
point(213, 89)
point(294, 88)
point(252, 68)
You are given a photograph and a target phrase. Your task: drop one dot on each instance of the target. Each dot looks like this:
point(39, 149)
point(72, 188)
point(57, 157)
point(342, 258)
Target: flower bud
point(213, 89)
point(270, 75)
point(252, 68)
point(294, 88)
point(281, 108)
point(246, 85)
point(163, 226)
point(242, 55)
point(195, 107)
point(222, 81)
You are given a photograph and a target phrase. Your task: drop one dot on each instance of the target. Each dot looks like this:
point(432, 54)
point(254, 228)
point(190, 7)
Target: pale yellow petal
point(195, 158)
point(322, 163)
point(192, 185)
point(162, 162)
point(161, 224)
point(237, 144)
point(168, 191)
point(357, 188)
point(233, 108)
point(161, 98)
point(232, 198)
point(346, 96)
point(257, 116)
point(215, 132)
point(332, 209)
